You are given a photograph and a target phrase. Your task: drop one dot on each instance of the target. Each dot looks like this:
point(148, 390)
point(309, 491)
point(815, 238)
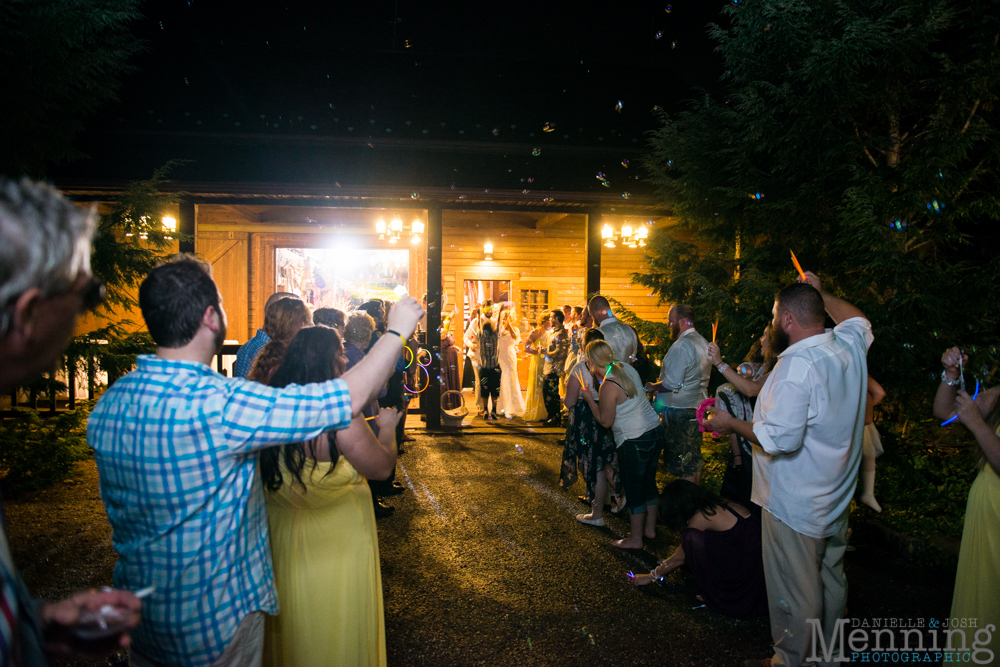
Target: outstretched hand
point(719, 420)
point(405, 315)
point(950, 360)
point(813, 280)
point(714, 354)
point(387, 419)
point(968, 412)
point(63, 619)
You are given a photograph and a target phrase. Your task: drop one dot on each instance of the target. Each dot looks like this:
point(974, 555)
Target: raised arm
point(372, 456)
point(838, 309)
point(749, 388)
point(366, 379)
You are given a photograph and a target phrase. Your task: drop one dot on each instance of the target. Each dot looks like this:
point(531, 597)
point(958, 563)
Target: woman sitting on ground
point(720, 544)
point(624, 409)
point(289, 317)
point(323, 539)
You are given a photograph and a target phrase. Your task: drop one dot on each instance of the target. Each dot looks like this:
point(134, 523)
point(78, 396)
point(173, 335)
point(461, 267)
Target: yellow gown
point(535, 403)
point(326, 570)
point(977, 583)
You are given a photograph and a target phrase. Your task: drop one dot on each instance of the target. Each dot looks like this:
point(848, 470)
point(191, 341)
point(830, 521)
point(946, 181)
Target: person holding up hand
point(806, 433)
point(977, 584)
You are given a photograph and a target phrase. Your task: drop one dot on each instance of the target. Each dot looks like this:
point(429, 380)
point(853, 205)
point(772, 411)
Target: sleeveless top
point(634, 416)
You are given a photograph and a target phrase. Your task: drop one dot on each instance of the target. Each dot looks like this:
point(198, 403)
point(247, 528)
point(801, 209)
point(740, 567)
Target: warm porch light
point(607, 232)
point(380, 228)
point(417, 227)
point(396, 225)
point(488, 252)
point(169, 225)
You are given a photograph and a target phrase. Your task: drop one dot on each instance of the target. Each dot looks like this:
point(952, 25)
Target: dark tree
point(863, 136)
point(61, 62)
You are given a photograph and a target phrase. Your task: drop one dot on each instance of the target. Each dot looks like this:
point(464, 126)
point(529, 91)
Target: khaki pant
point(245, 649)
point(805, 579)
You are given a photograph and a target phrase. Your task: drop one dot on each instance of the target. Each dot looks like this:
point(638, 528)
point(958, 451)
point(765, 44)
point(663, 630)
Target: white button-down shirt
point(685, 371)
point(622, 339)
point(809, 420)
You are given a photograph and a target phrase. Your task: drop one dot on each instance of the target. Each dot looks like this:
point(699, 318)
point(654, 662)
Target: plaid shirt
point(247, 354)
point(176, 448)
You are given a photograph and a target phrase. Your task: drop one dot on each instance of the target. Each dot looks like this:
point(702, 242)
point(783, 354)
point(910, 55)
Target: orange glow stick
point(798, 267)
point(715, 329)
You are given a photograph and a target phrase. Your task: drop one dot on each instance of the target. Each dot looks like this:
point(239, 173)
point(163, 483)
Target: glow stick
point(955, 416)
point(798, 267)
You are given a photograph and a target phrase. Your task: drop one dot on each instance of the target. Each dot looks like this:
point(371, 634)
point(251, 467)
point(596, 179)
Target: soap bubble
point(626, 195)
point(668, 9)
point(745, 370)
point(767, 27)
point(673, 44)
point(549, 127)
point(625, 163)
point(415, 195)
point(618, 106)
point(531, 180)
point(601, 176)
point(659, 34)
point(536, 151)
point(496, 132)
point(606, 184)
point(406, 44)
point(935, 206)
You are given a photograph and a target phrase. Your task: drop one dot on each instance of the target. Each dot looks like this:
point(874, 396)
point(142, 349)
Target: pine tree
point(864, 137)
point(61, 62)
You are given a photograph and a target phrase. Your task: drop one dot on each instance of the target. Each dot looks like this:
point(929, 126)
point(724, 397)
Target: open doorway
point(477, 291)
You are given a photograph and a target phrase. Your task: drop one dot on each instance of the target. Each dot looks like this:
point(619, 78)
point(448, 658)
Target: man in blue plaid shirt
point(176, 447)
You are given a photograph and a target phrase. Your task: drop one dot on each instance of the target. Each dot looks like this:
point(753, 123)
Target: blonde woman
point(534, 345)
point(511, 400)
point(622, 407)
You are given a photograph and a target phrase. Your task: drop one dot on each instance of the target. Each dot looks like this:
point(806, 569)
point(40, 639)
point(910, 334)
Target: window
point(534, 302)
point(342, 278)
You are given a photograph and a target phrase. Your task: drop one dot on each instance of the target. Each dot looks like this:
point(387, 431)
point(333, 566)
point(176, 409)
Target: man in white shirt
point(682, 387)
point(806, 435)
point(620, 336)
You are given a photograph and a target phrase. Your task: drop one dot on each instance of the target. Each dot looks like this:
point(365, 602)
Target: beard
point(778, 341)
point(220, 335)
point(675, 330)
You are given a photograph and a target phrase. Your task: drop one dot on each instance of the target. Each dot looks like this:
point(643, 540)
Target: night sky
point(465, 75)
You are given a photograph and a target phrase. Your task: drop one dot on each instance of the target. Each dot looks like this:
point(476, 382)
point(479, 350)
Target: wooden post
point(91, 377)
point(431, 398)
point(71, 381)
point(186, 225)
point(594, 242)
point(52, 393)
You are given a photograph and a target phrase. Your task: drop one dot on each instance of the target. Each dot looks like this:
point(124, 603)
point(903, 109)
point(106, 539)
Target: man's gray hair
point(44, 241)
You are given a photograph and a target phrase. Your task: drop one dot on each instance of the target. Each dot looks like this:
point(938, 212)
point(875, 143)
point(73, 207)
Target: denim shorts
point(637, 462)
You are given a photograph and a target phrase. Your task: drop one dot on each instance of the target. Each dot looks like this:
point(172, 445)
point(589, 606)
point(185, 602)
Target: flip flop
point(582, 518)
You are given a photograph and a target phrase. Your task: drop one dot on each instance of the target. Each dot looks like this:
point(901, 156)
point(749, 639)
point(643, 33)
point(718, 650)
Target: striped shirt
point(176, 448)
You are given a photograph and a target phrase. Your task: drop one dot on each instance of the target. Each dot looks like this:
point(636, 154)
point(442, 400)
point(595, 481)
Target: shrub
point(37, 452)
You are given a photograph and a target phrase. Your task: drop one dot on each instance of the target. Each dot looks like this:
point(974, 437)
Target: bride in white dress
point(511, 399)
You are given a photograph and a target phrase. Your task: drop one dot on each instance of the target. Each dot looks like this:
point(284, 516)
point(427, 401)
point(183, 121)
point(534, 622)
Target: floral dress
point(588, 446)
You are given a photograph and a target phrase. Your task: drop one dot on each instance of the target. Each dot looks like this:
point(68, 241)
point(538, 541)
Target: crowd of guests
point(225, 494)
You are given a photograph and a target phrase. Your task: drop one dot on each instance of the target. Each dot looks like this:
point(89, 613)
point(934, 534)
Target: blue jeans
point(637, 462)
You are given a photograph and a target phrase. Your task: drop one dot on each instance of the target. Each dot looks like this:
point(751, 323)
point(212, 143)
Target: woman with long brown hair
point(286, 317)
point(323, 538)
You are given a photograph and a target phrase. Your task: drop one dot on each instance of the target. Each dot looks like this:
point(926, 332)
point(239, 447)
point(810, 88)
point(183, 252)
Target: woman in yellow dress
point(977, 582)
point(535, 403)
point(323, 539)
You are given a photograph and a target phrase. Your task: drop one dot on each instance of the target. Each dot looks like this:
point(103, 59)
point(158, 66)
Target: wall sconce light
point(393, 232)
point(488, 252)
point(169, 225)
point(608, 234)
point(380, 228)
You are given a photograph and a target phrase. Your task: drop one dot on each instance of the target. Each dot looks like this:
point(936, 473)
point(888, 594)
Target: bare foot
point(628, 543)
point(699, 598)
point(642, 580)
point(651, 535)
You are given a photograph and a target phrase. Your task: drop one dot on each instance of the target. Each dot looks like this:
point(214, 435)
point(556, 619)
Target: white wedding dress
point(511, 400)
